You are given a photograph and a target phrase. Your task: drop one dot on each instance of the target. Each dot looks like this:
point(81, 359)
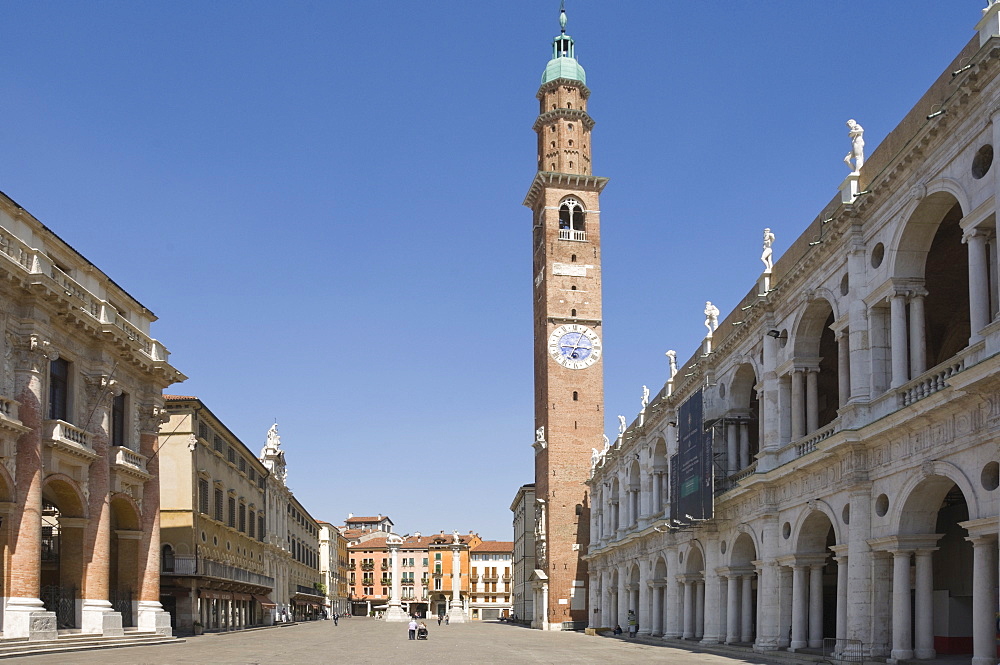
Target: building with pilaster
point(523, 560)
point(293, 559)
point(823, 471)
point(81, 385)
point(212, 525)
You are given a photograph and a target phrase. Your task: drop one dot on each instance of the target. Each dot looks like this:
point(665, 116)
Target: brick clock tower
point(569, 374)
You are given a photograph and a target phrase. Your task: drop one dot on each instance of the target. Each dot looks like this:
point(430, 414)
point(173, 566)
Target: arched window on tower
point(571, 220)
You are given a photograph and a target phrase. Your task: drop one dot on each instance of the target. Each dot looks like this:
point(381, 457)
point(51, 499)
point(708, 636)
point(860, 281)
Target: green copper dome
point(563, 64)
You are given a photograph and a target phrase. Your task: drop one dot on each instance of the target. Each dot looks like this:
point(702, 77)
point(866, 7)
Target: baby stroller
point(422, 633)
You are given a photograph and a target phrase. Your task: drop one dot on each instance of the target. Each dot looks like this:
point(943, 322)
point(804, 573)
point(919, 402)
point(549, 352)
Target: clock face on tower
point(574, 346)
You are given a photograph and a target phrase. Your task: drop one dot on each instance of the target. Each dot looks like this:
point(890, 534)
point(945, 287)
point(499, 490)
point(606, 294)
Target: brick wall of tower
point(564, 138)
point(572, 427)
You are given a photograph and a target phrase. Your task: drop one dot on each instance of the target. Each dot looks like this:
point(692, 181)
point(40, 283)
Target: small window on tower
point(571, 143)
point(569, 105)
point(572, 312)
point(569, 126)
point(572, 259)
point(571, 164)
point(576, 396)
point(553, 128)
point(553, 166)
point(573, 288)
point(553, 144)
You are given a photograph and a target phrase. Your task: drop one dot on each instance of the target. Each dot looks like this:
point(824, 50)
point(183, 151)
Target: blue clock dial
point(575, 346)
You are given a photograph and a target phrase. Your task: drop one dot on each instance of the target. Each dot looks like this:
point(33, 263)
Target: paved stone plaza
point(362, 641)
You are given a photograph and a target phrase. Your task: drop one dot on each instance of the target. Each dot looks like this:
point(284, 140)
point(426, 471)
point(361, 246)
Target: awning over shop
point(265, 601)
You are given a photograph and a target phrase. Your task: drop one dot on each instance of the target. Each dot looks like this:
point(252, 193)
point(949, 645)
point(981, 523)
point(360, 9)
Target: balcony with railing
point(128, 461)
point(68, 439)
point(367, 566)
point(572, 234)
point(57, 285)
point(222, 571)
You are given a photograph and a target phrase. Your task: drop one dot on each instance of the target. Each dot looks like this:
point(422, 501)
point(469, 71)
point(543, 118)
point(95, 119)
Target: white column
point(918, 335)
point(800, 609)
point(898, 336)
point(395, 612)
point(816, 606)
point(785, 603)
point(842, 570)
point(924, 620)
point(656, 505)
point(733, 461)
point(656, 589)
point(984, 601)
point(979, 286)
point(455, 611)
point(843, 368)
point(699, 608)
point(812, 400)
point(744, 444)
point(798, 405)
point(732, 609)
point(688, 609)
point(746, 613)
point(642, 613)
point(606, 615)
point(673, 598)
point(623, 598)
point(902, 632)
point(784, 420)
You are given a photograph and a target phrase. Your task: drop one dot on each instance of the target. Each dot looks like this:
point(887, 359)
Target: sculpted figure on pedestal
point(711, 317)
point(856, 132)
point(622, 426)
point(645, 397)
point(766, 254)
point(672, 357)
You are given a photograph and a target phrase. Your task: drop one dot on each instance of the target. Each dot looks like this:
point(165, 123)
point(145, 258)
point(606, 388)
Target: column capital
point(907, 543)
point(982, 528)
point(977, 233)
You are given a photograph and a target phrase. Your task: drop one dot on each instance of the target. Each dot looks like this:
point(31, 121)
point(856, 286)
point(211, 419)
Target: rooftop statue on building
point(857, 135)
point(766, 254)
point(622, 425)
point(672, 357)
point(711, 317)
point(645, 397)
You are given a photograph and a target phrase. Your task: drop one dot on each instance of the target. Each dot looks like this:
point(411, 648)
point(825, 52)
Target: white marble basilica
point(851, 403)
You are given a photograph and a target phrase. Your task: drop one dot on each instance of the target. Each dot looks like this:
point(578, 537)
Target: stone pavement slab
point(364, 641)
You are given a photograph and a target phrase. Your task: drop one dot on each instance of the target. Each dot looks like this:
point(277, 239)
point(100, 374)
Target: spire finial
point(562, 16)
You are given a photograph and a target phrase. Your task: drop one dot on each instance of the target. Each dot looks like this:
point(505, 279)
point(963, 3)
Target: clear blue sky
point(322, 200)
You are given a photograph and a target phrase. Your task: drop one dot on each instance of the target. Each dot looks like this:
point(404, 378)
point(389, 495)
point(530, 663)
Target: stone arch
point(810, 324)
point(65, 493)
point(922, 495)
point(125, 511)
point(659, 567)
point(743, 551)
point(912, 240)
point(810, 532)
point(742, 386)
point(694, 559)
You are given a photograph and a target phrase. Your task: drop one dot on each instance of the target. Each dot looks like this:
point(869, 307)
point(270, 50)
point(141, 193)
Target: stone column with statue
point(456, 613)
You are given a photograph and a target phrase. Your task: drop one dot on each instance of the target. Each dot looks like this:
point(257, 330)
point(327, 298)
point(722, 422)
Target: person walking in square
point(413, 629)
point(633, 624)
